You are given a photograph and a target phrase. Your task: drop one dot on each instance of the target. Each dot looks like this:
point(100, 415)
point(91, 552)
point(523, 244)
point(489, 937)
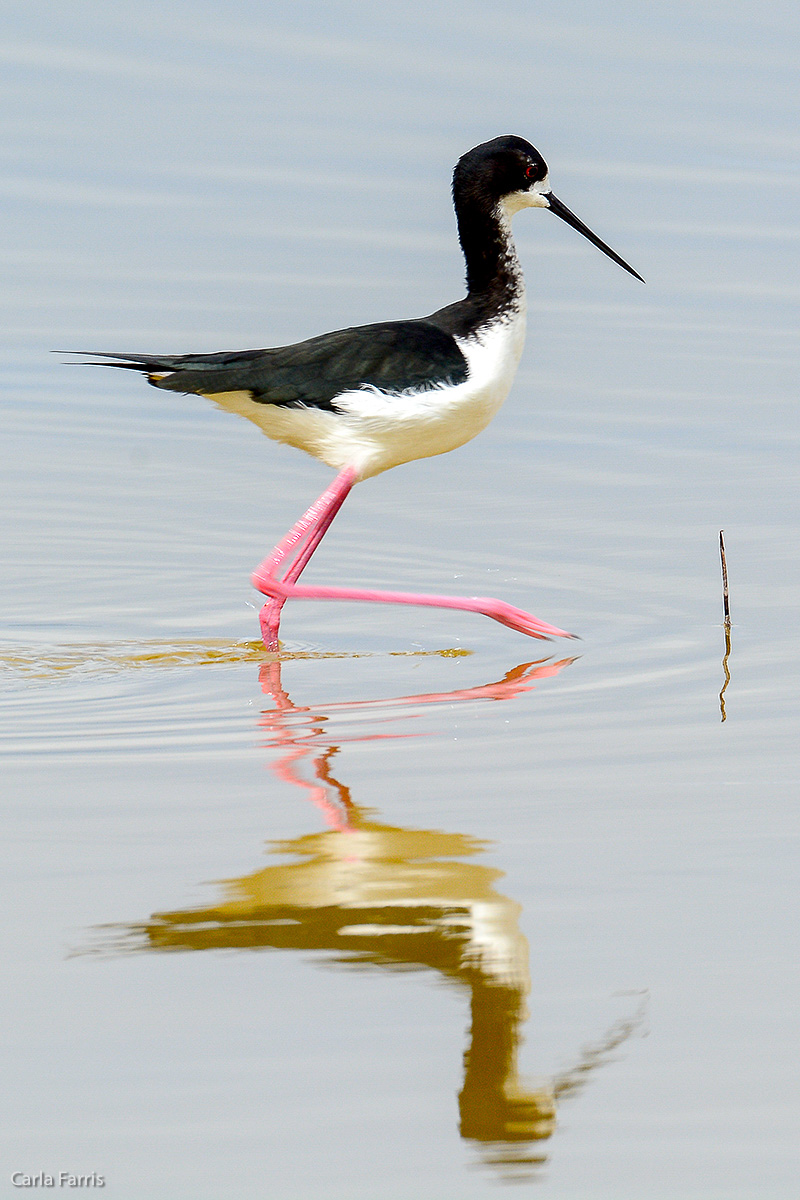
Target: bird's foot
point(517, 618)
point(270, 621)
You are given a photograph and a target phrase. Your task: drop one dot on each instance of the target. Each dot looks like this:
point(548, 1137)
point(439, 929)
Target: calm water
point(424, 907)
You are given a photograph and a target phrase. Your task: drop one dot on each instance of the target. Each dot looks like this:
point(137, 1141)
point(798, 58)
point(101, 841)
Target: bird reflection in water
point(370, 894)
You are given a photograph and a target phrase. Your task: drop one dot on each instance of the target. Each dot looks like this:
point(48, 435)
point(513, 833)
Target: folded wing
point(395, 357)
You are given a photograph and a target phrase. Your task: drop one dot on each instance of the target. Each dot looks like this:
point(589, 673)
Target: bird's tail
point(202, 373)
point(161, 370)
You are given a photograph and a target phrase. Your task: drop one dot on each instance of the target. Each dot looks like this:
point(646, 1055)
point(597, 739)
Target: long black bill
point(562, 211)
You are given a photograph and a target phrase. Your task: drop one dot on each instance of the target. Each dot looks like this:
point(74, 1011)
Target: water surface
point(420, 905)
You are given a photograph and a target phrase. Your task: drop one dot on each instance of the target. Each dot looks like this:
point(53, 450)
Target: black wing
point(395, 357)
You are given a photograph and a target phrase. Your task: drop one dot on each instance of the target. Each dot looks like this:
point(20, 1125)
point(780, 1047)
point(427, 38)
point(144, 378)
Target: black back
point(395, 356)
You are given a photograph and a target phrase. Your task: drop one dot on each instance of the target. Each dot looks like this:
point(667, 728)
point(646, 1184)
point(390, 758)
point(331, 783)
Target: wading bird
point(369, 398)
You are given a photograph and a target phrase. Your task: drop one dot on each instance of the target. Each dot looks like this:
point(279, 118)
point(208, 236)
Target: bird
point(372, 397)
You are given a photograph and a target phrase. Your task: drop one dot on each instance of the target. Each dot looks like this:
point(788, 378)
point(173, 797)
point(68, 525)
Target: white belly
point(373, 432)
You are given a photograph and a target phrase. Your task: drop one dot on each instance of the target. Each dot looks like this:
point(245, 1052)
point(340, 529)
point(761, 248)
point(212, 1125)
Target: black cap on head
point(498, 168)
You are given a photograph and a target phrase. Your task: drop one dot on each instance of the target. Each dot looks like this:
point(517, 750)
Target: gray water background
point(174, 178)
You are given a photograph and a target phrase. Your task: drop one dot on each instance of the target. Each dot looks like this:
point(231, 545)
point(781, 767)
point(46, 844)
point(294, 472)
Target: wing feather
point(395, 357)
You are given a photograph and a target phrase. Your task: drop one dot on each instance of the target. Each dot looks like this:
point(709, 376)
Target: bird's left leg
point(297, 548)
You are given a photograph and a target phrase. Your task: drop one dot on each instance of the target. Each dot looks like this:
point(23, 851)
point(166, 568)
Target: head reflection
point(369, 894)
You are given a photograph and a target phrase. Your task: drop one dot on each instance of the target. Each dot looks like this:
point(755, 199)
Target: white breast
point(373, 431)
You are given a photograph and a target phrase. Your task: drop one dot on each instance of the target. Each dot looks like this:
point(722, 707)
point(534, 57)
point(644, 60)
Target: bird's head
point(509, 174)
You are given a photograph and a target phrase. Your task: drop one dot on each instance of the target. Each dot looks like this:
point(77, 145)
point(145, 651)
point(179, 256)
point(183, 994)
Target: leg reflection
point(368, 893)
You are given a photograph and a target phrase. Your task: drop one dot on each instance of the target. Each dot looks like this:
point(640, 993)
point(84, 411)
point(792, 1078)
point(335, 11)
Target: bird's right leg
point(297, 548)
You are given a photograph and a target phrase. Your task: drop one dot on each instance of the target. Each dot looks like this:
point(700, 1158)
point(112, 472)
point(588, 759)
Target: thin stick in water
point(727, 624)
point(725, 602)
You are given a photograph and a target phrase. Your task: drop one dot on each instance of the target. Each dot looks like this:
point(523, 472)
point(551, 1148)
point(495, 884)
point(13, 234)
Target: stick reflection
point(370, 894)
point(726, 671)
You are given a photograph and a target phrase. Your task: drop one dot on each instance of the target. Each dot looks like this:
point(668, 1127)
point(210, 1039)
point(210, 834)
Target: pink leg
point(303, 539)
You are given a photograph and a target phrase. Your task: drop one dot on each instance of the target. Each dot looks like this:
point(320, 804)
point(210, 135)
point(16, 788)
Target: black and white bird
point(369, 398)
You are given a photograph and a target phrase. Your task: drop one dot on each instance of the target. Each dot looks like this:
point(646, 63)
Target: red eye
point(530, 172)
